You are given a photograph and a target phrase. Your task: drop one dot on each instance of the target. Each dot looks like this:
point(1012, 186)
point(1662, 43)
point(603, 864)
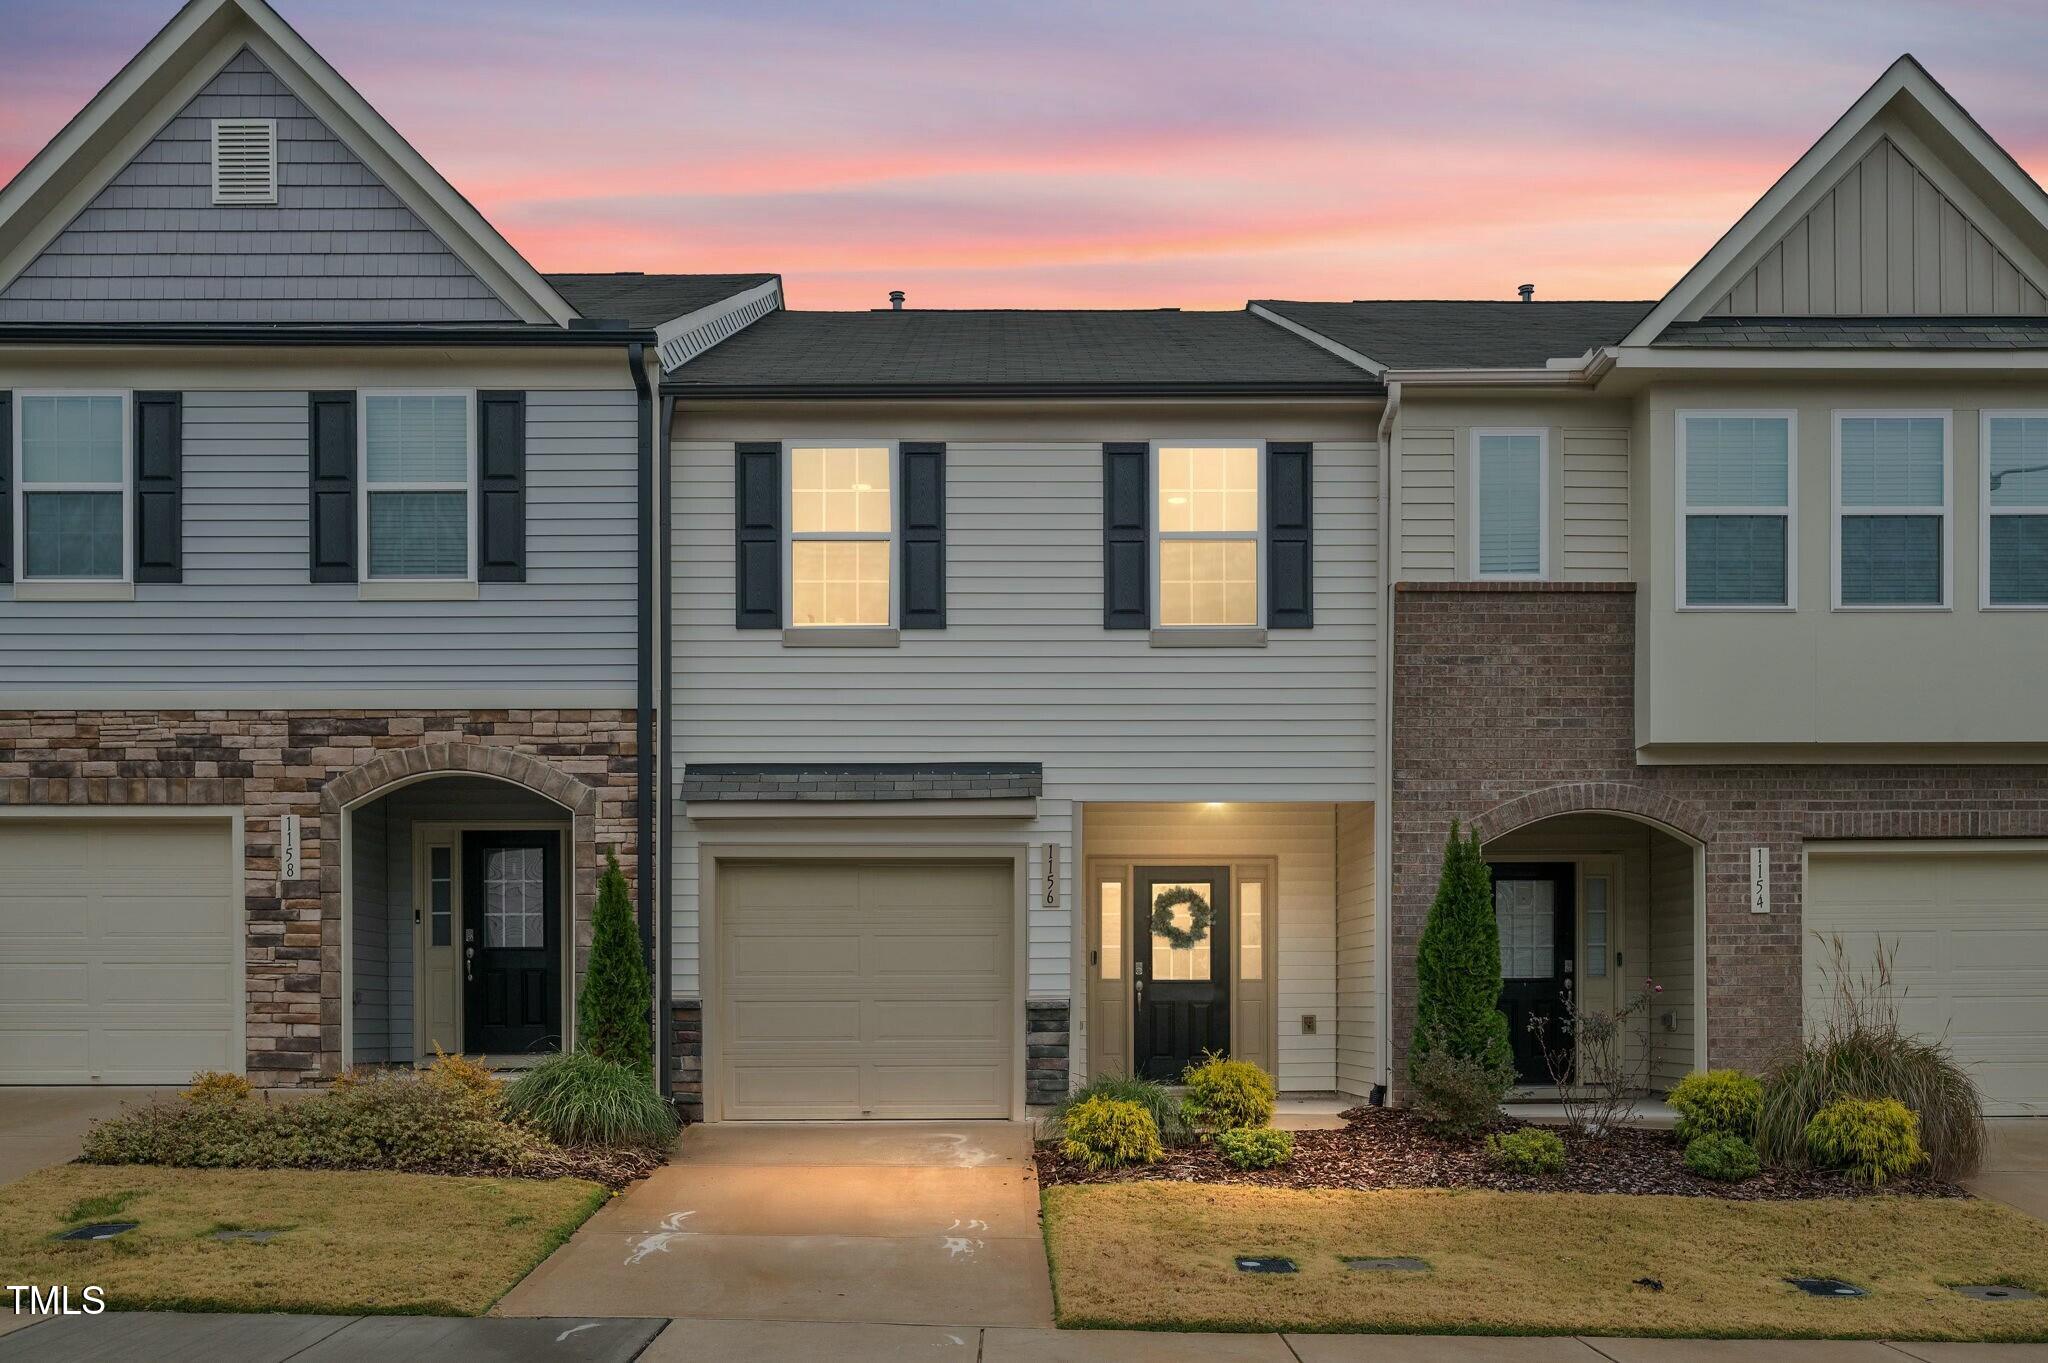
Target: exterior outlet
point(1308, 1024)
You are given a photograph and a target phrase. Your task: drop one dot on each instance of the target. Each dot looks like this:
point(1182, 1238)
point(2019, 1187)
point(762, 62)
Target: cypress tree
point(1457, 964)
point(615, 1010)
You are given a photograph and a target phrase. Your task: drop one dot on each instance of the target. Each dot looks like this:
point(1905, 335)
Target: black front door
point(1180, 970)
point(511, 942)
point(1532, 906)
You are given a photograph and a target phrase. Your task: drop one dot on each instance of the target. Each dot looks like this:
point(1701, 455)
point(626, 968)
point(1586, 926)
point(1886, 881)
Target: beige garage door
point(118, 955)
point(1970, 928)
point(864, 990)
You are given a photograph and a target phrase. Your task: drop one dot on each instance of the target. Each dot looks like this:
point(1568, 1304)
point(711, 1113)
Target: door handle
point(469, 965)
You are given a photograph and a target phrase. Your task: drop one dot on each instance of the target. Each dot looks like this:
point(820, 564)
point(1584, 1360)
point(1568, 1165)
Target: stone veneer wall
point(686, 1058)
point(1047, 1037)
point(276, 762)
point(1514, 702)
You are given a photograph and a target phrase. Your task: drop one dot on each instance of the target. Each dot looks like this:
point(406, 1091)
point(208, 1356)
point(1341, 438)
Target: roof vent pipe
point(1528, 291)
point(895, 300)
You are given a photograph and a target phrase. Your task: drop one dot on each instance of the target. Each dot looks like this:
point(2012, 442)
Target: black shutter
point(501, 487)
point(1126, 536)
point(1290, 535)
point(331, 491)
point(757, 549)
point(924, 536)
point(159, 487)
point(6, 487)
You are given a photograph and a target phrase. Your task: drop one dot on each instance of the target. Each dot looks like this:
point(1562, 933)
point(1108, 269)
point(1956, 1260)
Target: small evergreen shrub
point(1110, 1133)
point(1872, 1139)
point(1721, 1156)
point(578, 1099)
point(1531, 1150)
point(1457, 967)
point(1226, 1094)
point(1723, 1102)
point(615, 1009)
point(1255, 1147)
point(211, 1086)
point(1458, 1095)
point(461, 1073)
point(1160, 1102)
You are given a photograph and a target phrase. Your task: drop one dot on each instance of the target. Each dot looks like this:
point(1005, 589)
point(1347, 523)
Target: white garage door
point(867, 990)
point(1970, 929)
point(118, 951)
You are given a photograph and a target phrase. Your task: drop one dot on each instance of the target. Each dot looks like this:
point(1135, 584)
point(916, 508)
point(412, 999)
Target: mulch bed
point(1390, 1148)
point(614, 1168)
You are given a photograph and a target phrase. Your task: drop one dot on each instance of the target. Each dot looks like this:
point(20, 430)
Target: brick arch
point(402, 765)
point(1596, 797)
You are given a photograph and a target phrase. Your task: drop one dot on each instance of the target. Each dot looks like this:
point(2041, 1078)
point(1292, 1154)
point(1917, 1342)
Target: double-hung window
point(1891, 510)
point(1510, 502)
point(1210, 550)
point(419, 486)
point(2015, 532)
point(842, 535)
point(1737, 480)
point(73, 484)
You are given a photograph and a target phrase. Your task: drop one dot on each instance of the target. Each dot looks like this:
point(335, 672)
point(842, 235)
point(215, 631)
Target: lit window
point(1596, 927)
point(417, 461)
point(2016, 509)
point(1510, 501)
point(1208, 517)
point(1891, 523)
point(441, 895)
point(73, 486)
point(1111, 895)
point(1251, 930)
point(1735, 488)
point(842, 534)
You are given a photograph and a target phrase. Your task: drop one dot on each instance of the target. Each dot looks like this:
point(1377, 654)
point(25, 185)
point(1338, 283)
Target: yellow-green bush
point(1255, 1147)
point(1110, 1133)
point(1872, 1139)
point(1717, 1102)
point(1722, 1157)
point(1531, 1150)
point(1225, 1094)
point(211, 1086)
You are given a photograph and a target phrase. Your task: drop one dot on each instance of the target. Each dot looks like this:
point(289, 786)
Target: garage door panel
point(909, 955)
point(43, 983)
point(960, 1021)
point(794, 957)
point(769, 1021)
point(898, 1089)
point(28, 915)
point(167, 984)
point(2001, 950)
point(43, 1055)
point(769, 1090)
point(155, 1049)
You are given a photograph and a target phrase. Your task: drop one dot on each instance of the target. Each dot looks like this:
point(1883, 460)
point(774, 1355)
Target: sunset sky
point(1067, 153)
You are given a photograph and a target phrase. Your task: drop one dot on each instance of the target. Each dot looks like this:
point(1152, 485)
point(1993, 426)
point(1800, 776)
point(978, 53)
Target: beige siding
point(1671, 960)
point(1357, 983)
point(1884, 239)
point(1429, 504)
point(1596, 504)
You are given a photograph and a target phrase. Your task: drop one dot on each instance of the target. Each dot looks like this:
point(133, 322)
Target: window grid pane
point(1510, 504)
point(71, 439)
point(1204, 490)
point(1891, 561)
point(1596, 927)
point(1892, 461)
point(1208, 582)
point(1170, 962)
point(1112, 896)
point(840, 490)
point(2019, 560)
point(441, 895)
point(1735, 561)
point(2018, 461)
point(416, 439)
point(839, 582)
point(1737, 462)
point(1525, 912)
point(1251, 930)
point(513, 898)
point(72, 534)
point(419, 534)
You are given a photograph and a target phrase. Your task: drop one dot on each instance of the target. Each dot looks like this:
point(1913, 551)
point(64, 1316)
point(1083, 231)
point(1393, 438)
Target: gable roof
point(990, 352)
point(648, 300)
point(54, 187)
point(1937, 138)
point(1462, 333)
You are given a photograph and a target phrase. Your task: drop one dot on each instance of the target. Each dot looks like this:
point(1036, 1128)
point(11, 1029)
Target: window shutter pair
point(1127, 535)
point(501, 487)
point(757, 542)
point(159, 487)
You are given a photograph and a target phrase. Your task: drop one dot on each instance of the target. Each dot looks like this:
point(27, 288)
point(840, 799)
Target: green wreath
point(1199, 917)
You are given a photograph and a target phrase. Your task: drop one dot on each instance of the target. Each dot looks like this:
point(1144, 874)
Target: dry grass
point(1159, 1256)
point(352, 1242)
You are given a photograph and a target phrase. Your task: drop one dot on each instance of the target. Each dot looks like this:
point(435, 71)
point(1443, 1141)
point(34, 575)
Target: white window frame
point(127, 489)
point(1985, 511)
point(1790, 511)
point(364, 487)
point(894, 534)
point(1946, 510)
point(1158, 536)
point(1473, 439)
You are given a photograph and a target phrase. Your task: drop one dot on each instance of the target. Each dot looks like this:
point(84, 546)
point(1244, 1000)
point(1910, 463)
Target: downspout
point(664, 945)
point(1383, 810)
point(648, 867)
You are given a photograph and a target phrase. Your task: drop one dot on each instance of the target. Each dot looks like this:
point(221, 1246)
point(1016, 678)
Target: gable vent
point(244, 161)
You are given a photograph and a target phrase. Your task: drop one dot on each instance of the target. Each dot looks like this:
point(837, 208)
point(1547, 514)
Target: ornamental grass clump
point(1255, 1147)
point(1531, 1150)
point(1159, 1102)
point(1110, 1133)
point(580, 1099)
point(1870, 1139)
point(1717, 1102)
point(1226, 1094)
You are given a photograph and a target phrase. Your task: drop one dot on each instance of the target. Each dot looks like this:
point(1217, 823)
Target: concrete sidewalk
point(44, 1126)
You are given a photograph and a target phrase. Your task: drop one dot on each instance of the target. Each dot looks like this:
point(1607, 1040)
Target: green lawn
point(349, 1242)
point(1160, 1256)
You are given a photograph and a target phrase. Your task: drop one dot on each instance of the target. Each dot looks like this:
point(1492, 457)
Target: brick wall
point(275, 762)
point(1515, 702)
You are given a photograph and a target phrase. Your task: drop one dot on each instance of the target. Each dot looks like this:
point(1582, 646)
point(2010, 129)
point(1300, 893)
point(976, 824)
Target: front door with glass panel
point(512, 942)
point(1180, 967)
point(1533, 908)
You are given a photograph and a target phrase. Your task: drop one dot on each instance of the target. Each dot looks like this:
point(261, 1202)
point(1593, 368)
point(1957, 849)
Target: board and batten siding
point(246, 627)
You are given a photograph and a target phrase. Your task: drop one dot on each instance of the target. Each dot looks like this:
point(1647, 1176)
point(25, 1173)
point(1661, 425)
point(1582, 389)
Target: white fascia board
point(1890, 361)
point(1317, 338)
point(703, 811)
point(681, 339)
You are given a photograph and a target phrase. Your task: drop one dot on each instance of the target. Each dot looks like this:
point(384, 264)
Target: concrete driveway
point(896, 1223)
point(2016, 1164)
point(43, 1126)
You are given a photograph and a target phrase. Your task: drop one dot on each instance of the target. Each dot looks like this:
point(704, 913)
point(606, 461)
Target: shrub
point(1255, 1147)
point(578, 1099)
point(1457, 966)
point(1159, 1102)
point(1108, 1133)
point(211, 1086)
point(1225, 1094)
point(1722, 1156)
point(465, 1075)
point(1872, 1139)
point(1717, 1102)
point(1458, 1095)
point(1531, 1150)
point(615, 1010)
point(1859, 1051)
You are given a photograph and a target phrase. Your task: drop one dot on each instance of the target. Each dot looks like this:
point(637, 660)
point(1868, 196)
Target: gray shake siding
point(338, 246)
point(245, 626)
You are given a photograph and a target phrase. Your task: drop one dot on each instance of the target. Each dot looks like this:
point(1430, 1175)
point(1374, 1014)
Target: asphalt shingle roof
point(1465, 333)
point(1100, 350)
point(1860, 333)
point(648, 300)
